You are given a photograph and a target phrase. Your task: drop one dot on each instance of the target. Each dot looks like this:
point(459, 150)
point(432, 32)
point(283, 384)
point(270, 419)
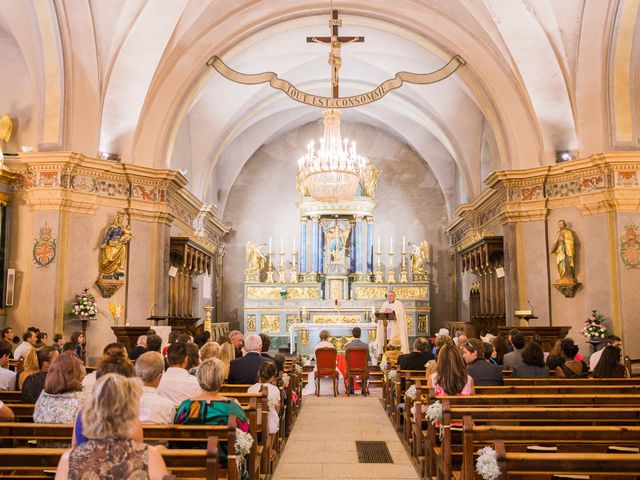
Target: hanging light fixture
point(331, 173)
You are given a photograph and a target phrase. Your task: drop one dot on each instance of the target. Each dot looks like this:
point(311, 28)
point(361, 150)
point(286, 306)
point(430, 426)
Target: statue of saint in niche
point(256, 260)
point(113, 251)
point(565, 250)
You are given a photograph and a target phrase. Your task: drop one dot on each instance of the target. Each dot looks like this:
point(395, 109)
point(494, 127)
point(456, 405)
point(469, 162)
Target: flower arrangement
point(297, 369)
point(285, 379)
point(84, 305)
point(487, 464)
point(392, 375)
point(434, 412)
point(594, 325)
point(283, 293)
point(243, 444)
point(411, 392)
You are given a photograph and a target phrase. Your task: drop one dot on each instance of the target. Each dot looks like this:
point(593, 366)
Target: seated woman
point(501, 348)
point(226, 354)
point(572, 367)
point(193, 354)
point(324, 341)
point(210, 350)
point(110, 453)
point(109, 354)
point(267, 376)
point(555, 358)
point(31, 366)
point(609, 365)
point(62, 397)
point(533, 365)
point(34, 384)
point(211, 408)
point(451, 377)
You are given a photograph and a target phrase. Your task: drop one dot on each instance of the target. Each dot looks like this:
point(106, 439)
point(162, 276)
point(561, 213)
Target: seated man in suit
point(245, 370)
point(418, 358)
point(357, 343)
point(483, 372)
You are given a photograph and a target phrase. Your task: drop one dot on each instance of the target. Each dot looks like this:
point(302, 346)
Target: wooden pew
point(10, 396)
point(544, 465)
point(629, 363)
point(571, 381)
point(475, 437)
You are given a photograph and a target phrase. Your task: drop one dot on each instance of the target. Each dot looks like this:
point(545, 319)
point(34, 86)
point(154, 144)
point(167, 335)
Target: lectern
point(385, 317)
point(525, 315)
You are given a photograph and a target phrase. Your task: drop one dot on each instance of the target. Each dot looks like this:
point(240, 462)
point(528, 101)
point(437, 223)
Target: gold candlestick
point(404, 278)
point(391, 273)
point(378, 273)
point(270, 268)
point(207, 318)
point(294, 268)
point(281, 277)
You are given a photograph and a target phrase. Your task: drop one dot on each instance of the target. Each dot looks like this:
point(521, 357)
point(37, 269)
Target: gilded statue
point(336, 238)
point(419, 257)
point(6, 129)
point(113, 251)
point(369, 180)
point(565, 250)
point(256, 260)
point(335, 59)
point(301, 187)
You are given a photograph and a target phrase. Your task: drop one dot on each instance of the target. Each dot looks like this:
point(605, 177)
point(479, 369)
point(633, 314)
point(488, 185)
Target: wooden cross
point(336, 42)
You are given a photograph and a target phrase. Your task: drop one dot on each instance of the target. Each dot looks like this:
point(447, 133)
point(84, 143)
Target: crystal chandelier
point(332, 173)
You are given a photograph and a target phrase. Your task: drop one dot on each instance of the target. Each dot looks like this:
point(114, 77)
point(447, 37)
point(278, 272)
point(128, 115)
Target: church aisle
point(323, 441)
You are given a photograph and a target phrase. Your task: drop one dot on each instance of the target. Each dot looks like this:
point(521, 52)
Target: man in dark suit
point(245, 370)
point(483, 372)
point(417, 359)
point(235, 337)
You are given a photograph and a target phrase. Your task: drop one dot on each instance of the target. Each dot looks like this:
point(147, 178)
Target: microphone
point(530, 305)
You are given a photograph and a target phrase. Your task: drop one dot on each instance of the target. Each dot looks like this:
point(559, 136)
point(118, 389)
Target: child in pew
point(267, 377)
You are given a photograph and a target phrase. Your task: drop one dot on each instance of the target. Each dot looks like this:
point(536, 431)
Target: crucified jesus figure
point(334, 55)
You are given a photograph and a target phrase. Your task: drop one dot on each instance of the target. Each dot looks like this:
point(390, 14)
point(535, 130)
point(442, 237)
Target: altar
point(338, 278)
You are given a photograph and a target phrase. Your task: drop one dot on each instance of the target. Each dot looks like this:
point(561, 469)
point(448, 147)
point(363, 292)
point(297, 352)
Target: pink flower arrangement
point(594, 326)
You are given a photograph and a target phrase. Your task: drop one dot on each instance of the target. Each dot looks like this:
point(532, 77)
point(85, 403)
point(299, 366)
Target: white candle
point(403, 244)
point(281, 244)
point(294, 244)
point(391, 245)
point(270, 245)
point(379, 245)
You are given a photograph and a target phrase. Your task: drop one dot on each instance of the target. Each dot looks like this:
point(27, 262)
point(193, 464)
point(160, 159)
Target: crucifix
point(335, 41)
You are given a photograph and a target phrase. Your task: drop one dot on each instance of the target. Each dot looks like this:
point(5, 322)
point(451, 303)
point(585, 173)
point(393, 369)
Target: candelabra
point(378, 272)
point(270, 268)
point(403, 269)
point(281, 277)
point(294, 268)
point(391, 273)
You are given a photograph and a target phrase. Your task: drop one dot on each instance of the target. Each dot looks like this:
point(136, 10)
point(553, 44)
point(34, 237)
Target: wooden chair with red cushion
point(326, 363)
point(357, 367)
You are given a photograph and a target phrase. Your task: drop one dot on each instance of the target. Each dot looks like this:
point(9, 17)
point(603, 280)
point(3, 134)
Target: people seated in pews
point(154, 408)
point(27, 344)
point(533, 364)
point(193, 354)
point(154, 343)
point(460, 339)
point(483, 372)
point(226, 354)
point(58, 342)
point(34, 384)
point(202, 338)
point(452, 376)
point(41, 340)
point(489, 350)
point(391, 354)
point(280, 359)
point(114, 447)
point(209, 350)
point(173, 337)
point(612, 340)
point(501, 348)
point(70, 347)
point(139, 349)
point(609, 365)
point(510, 334)
point(236, 338)
point(418, 358)
point(78, 338)
point(209, 407)
point(513, 359)
point(572, 367)
point(266, 344)
point(112, 352)
point(6, 339)
point(7, 377)
point(245, 370)
point(555, 358)
point(267, 378)
point(30, 366)
point(62, 397)
point(176, 383)
point(6, 414)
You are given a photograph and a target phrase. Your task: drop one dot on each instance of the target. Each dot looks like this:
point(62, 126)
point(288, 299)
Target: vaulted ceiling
point(129, 77)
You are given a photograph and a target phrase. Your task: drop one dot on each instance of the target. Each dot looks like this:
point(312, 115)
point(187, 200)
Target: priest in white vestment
point(397, 327)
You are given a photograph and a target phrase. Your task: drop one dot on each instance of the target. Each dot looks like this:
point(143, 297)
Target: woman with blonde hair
point(452, 376)
point(210, 350)
point(110, 421)
point(225, 355)
point(31, 366)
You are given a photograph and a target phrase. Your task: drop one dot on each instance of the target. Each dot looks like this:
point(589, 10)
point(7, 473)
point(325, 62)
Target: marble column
point(315, 263)
point(369, 244)
point(320, 249)
point(358, 236)
point(303, 244)
point(352, 248)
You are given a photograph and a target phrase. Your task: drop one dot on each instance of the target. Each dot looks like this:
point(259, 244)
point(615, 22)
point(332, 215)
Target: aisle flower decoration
point(434, 412)
point(297, 369)
point(411, 392)
point(487, 464)
point(285, 379)
point(392, 375)
point(243, 444)
point(594, 325)
point(84, 305)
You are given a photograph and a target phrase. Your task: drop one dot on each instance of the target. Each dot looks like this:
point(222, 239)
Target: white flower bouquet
point(84, 305)
point(411, 392)
point(244, 442)
point(392, 375)
point(286, 379)
point(434, 412)
point(487, 464)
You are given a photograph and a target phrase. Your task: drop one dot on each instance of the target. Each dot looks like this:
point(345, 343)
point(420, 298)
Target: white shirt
point(594, 359)
point(154, 408)
point(22, 350)
point(273, 394)
point(178, 385)
point(88, 382)
point(7, 379)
